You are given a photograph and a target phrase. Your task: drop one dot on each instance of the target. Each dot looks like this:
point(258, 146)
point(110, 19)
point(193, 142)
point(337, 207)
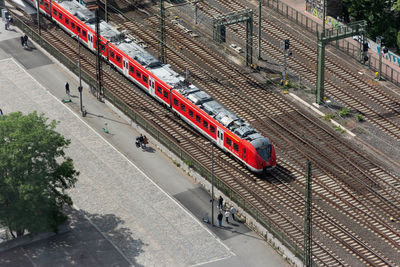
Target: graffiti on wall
point(392, 57)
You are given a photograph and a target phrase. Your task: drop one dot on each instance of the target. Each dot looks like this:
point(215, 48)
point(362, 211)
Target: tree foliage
point(381, 16)
point(34, 174)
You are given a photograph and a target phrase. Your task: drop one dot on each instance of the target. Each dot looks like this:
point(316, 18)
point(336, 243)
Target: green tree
point(396, 5)
point(380, 15)
point(34, 174)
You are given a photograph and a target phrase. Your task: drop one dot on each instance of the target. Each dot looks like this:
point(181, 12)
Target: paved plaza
point(163, 232)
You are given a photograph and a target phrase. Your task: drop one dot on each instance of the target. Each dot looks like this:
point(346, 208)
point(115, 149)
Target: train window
point(144, 78)
point(41, 2)
point(78, 29)
point(191, 113)
point(205, 124)
point(165, 94)
point(84, 34)
point(118, 59)
point(176, 103)
point(138, 74)
point(244, 152)
point(55, 12)
point(72, 25)
point(159, 89)
point(46, 6)
point(102, 47)
point(183, 107)
point(131, 69)
point(66, 21)
point(60, 15)
point(112, 54)
point(236, 147)
point(198, 119)
point(228, 141)
point(212, 129)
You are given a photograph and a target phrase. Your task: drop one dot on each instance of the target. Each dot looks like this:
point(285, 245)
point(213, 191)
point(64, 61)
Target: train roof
point(166, 74)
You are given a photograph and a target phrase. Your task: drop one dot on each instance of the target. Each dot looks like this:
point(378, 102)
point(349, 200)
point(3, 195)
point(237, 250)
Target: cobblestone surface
point(161, 232)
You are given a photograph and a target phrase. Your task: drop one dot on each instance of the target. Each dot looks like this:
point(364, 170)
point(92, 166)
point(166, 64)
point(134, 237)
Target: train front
point(264, 154)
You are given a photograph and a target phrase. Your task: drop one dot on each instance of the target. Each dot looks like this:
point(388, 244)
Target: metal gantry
point(246, 16)
point(345, 31)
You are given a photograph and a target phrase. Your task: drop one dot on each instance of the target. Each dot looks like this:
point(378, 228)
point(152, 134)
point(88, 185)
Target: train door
point(125, 66)
point(151, 85)
point(90, 41)
point(244, 154)
point(220, 137)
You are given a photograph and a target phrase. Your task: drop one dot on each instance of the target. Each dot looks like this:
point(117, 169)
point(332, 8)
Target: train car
point(194, 106)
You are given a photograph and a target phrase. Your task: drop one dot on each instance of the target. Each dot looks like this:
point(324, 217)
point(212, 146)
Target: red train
point(194, 106)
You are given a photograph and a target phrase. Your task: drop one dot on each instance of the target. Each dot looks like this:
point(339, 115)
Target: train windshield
point(264, 151)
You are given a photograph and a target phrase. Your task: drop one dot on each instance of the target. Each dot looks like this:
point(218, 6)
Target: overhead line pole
point(105, 11)
point(161, 52)
point(98, 58)
point(308, 219)
point(38, 16)
point(212, 183)
point(259, 29)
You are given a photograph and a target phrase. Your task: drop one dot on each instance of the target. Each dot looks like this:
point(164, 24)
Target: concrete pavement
point(147, 210)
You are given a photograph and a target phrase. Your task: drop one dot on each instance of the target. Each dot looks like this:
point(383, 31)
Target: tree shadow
point(86, 239)
point(113, 228)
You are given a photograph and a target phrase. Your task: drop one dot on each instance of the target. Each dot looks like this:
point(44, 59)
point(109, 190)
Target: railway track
point(271, 197)
point(370, 99)
point(366, 249)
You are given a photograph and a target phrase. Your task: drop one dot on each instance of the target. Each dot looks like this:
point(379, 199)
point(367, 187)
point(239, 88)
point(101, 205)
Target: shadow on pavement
point(81, 244)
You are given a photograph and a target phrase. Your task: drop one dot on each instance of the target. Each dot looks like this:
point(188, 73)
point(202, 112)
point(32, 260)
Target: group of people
point(141, 141)
point(24, 41)
point(228, 212)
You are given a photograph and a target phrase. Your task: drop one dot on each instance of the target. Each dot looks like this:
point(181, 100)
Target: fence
point(344, 45)
point(163, 137)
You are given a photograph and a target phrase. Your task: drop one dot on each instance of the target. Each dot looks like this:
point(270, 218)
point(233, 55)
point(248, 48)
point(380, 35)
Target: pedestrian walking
point(233, 211)
point(1, 112)
point(26, 40)
point(22, 41)
point(220, 217)
point(227, 213)
point(67, 88)
point(220, 202)
point(7, 24)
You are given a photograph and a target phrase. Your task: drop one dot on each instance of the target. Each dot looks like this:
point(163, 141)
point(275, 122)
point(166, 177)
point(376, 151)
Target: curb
point(320, 113)
point(29, 239)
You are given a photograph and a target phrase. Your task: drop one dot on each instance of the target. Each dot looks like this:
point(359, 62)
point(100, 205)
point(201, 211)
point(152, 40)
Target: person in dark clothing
point(141, 139)
point(1, 112)
point(220, 217)
point(67, 88)
point(26, 40)
point(220, 202)
point(22, 41)
point(145, 142)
